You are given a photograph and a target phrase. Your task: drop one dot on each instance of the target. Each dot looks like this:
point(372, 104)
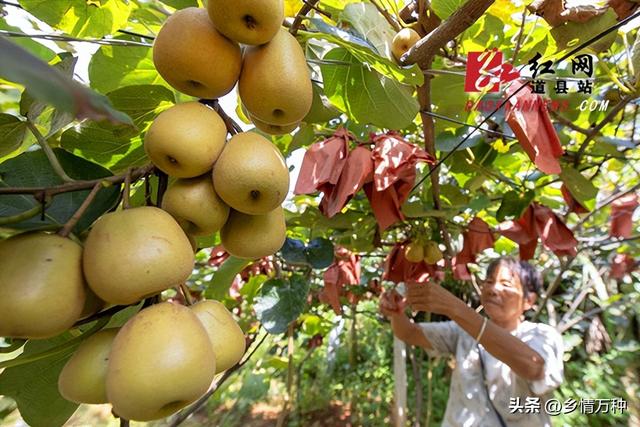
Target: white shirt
point(467, 405)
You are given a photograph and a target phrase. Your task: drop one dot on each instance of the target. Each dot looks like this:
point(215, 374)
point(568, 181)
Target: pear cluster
point(235, 187)
point(199, 53)
point(164, 358)
point(429, 252)
point(128, 255)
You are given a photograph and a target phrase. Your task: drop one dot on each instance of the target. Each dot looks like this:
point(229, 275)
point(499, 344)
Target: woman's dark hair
point(529, 277)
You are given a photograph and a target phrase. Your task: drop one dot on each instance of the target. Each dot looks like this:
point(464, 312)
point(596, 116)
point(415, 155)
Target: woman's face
point(503, 296)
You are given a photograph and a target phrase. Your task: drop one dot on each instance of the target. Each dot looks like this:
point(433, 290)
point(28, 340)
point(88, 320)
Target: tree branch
point(306, 8)
point(606, 202)
point(429, 45)
point(390, 19)
point(593, 132)
point(520, 37)
point(76, 185)
point(568, 123)
point(428, 130)
point(564, 327)
point(552, 287)
point(66, 229)
point(57, 37)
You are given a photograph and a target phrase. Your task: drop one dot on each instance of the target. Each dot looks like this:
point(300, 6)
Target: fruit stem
point(186, 293)
point(232, 127)
point(48, 151)
point(126, 192)
point(68, 226)
point(163, 183)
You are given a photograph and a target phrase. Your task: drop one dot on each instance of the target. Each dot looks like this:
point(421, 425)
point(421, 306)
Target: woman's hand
point(391, 303)
point(431, 297)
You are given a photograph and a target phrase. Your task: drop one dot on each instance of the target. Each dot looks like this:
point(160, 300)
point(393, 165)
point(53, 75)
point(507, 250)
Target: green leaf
point(180, 4)
point(365, 56)
point(446, 8)
point(580, 187)
point(321, 109)
point(514, 204)
point(418, 210)
point(50, 85)
point(32, 169)
point(365, 95)
point(221, 281)
point(43, 114)
point(250, 289)
point(449, 97)
point(116, 147)
point(81, 18)
point(12, 131)
point(293, 251)
point(281, 302)
point(113, 67)
point(123, 316)
point(366, 19)
point(319, 252)
point(304, 137)
point(571, 34)
point(447, 140)
point(34, 386)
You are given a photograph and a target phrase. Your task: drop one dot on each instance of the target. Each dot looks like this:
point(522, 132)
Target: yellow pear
point(432, 253)
point(251, 175)
point(193, 57)
point(247, 21)
point(42, 289)
point(413, 252)
point(83, 378)
point(224, 332)
point(275, 83)
point(272, 129)
point(135, 253)
point(160, 361)
point(196, 206)
point(403, 41)
point(254, 236)
point(185, 140)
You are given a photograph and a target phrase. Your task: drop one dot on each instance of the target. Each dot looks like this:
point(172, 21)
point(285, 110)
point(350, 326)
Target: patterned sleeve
point(545, 340)
point(443, 337)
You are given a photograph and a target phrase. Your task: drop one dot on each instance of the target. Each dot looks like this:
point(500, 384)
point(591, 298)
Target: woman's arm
point(392, 307)
point(521, 358)
point(409, 332)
